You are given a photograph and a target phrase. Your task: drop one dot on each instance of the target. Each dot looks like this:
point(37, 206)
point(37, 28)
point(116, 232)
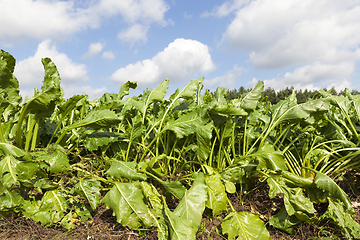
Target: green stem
point(1, 135)
point(35, 135)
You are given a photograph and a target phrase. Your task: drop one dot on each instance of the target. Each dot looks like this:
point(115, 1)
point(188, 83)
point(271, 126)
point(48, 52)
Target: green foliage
point(58, 157)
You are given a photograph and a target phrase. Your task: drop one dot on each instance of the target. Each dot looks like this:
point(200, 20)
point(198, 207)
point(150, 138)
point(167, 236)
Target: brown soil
point(103, 225)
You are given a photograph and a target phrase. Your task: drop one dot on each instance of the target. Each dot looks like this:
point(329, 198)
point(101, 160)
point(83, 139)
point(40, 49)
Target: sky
point(99, 44)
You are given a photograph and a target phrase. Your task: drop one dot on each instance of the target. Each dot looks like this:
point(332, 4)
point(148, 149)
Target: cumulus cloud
point(93, 93)
point(180, 60)
point(228, 80)
point(279, 34)
point(136, 32)
point(94, 49)
point(30, 71)
point(315, 76)
point(108, 55)
point(57, 19)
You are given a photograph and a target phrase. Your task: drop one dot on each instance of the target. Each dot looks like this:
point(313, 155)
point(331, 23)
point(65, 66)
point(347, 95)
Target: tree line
point(276, 96)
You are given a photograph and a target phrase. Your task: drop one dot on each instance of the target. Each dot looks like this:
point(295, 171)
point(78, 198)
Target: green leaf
point(192, 205)
point(9, 199)
point(128, 204)
point(173, 187)
point(88, 189)
point(98, 139)
point(8, 171)
point(157, 208)
point(269, 158)
point(187, 124)
point(294, 199)
point(284, 222)
point(124, 90)
point(180, 228)
point(120, 169)
point(244, 225)
point(217, 198)
point(326, 184)
point(341, 215)
point(50, 209)
point(203, 137)
point(56, 158)
point(227, 109)
point(156, 95)
point(42, 102)
point(9, 85)
point(97, 119)
point(11, 150)
point(251, 99)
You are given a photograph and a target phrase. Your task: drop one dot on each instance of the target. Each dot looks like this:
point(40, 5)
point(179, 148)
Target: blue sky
point(99, 44)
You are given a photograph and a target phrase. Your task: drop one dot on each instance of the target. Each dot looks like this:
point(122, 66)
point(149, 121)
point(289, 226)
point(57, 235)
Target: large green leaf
point(150, 96)
point(9, 85)
point(97, 119)
point(187, 124)
point(56, 158)
point(120, 169)
point(217, 198)
point(188, 92)
point(12, 171)
point(179, 228)
point(88, 189)
point(251, 99)
point(192, 205)
point(269, 158)
point(50, 209)
point(11, 150)
point(156, 208)
point(173, 187)
point(42, 102)
point(128, 204)
point(245, 226)
point(9, 199)
point(332, 190)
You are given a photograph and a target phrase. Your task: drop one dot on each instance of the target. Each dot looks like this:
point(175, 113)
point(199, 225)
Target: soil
point(104, 226)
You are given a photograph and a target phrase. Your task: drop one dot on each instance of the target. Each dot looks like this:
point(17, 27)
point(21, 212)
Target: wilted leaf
point(283, 221)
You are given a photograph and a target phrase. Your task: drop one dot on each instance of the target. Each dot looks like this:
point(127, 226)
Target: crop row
point(61, 158)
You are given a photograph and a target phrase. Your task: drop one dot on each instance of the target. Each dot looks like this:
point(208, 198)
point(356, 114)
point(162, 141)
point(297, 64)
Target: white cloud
point(134, 33)
point(187, 16)
point(180, 60)
point(283, 33)
point(228, 80)
point(30, 71)
point(315, 76)
point(94, 49)
point(93, 93)
point(42, 19)
point(226, 8)
point(108, 55)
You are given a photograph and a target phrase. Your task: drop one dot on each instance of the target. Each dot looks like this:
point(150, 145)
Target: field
point(193, 166)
